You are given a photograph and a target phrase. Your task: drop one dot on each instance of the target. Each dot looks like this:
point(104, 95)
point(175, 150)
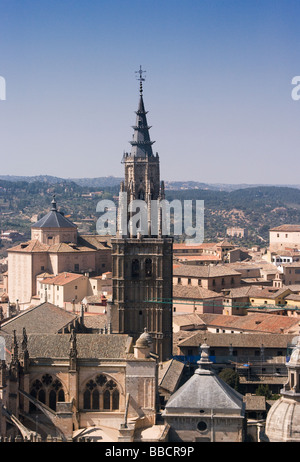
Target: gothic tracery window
point(48, 391)
point(101, 394)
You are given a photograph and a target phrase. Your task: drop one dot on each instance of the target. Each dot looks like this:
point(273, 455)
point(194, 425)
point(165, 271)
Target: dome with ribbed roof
point(283, 419)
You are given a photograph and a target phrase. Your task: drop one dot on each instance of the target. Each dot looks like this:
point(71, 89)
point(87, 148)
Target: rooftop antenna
point(140, 78)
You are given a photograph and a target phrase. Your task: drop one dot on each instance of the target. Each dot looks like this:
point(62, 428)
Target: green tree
point(264, 390)
point(231, 378)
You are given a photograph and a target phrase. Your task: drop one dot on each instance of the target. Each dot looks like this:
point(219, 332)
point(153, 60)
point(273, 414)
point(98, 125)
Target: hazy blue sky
point(218, 87)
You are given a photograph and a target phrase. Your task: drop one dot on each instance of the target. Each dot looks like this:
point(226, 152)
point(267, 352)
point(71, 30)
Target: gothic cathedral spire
point(142, 264)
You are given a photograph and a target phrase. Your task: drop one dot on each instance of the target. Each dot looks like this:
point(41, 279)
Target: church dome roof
point(144, 340)
point(295, 356)
point(54, 219)
point(205, 390)
point(283, 421)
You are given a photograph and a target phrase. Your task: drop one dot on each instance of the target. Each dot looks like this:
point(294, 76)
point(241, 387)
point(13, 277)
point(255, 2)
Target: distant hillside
point(256, 208)
point(111, 181)
point(100, 182)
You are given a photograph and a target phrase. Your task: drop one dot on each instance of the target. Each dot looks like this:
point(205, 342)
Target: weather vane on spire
point(140, 78)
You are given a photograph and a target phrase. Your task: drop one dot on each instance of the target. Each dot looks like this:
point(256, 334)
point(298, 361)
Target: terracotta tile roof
point(224, 243)
point(294, 297)
point(45, 275)
point(199, 257)
point(89, 346)
point(260, 380)
point(94, 299)
point(188, 319)
point(253, 322)
point(295, 288)
point(253, 280)
point(30, 246)
point(44, 318)
point(239, 292)
point(95, 241)
point(236, 340)
point(37, 246)
point(204, 271)
point(62, 279)
point(63, 247)
point(269, 292)
point(170, 374)
point(193, 292)
point(295, 264)
point(95, 321)
point(287, 252)
point(193, 247)
point(255, 403)
point(293, 228)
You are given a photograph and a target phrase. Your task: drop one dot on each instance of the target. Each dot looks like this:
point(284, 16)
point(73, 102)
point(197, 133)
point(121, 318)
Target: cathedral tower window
point(135, 268)
point(148, 267)
point(141, 195)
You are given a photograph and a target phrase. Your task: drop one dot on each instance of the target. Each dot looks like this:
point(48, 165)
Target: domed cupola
point(283, 419)
point(54, 228)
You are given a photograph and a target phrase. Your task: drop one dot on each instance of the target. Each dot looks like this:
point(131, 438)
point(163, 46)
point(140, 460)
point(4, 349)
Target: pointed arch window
point(95, 399)
point(101, 394)
point(32, 407)
point(148, 267)
point(115, 400)
point(61, 395)
point(135, 268)
point(52, 400)
point(48, 390)
point(106, 400)
point(42, 396)
point(87, 399)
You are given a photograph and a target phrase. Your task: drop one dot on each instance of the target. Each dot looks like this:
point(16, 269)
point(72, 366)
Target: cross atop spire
point(141, 143)
point(140, 78)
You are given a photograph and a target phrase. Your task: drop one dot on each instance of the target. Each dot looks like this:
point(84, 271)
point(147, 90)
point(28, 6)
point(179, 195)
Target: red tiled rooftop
point(62, 279)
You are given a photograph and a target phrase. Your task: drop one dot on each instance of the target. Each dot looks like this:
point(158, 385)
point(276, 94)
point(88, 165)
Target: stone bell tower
point(142, 262)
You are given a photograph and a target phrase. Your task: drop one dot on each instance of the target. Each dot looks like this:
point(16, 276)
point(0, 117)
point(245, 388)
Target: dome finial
point(53, 203)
